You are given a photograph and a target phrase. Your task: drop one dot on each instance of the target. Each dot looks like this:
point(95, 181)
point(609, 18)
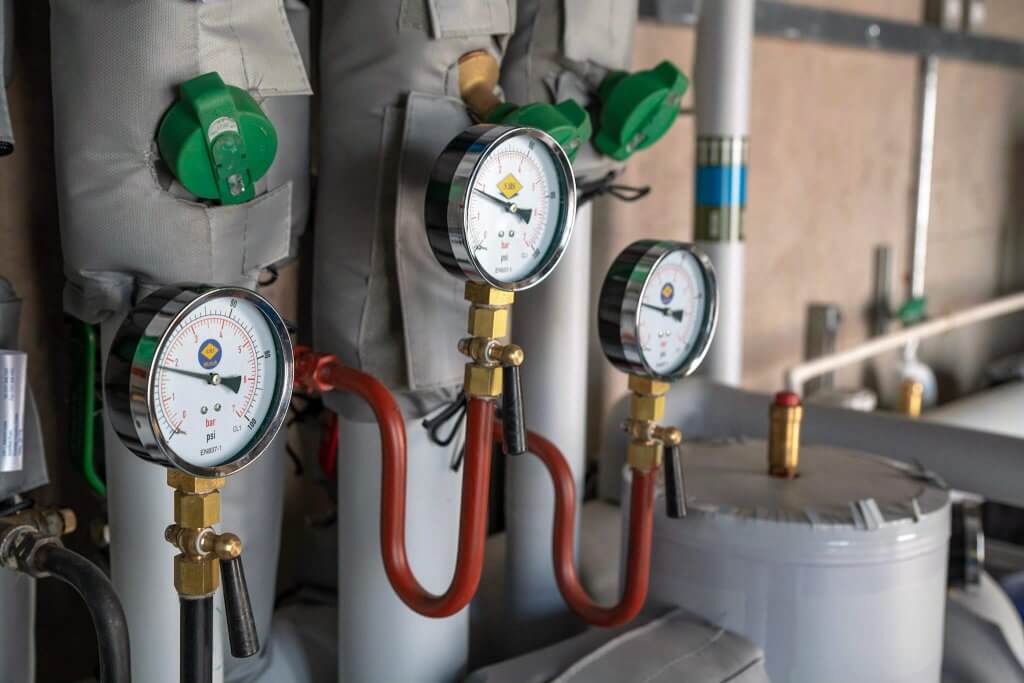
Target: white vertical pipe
point(725, 35)
point(379, 638)
point(928, 90)
point(553, 324)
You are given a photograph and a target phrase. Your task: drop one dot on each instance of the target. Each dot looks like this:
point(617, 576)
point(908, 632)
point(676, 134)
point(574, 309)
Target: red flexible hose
point(638, 559)
point(475, 485)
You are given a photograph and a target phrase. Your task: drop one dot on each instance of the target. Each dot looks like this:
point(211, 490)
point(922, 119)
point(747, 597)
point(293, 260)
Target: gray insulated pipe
point(18, 590)
point(382, 304)
point(128, 227)
point(562, 49)
point(7, 66)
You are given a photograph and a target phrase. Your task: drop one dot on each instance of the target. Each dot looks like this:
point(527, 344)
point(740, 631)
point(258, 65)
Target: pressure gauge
point(500, 206)
point(658, 309)
point(200, 378)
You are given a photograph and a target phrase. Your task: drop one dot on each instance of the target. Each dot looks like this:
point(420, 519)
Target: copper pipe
point(638, 561)
point(326, 374)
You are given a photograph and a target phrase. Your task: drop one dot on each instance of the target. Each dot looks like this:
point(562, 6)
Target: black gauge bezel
point(619, 308)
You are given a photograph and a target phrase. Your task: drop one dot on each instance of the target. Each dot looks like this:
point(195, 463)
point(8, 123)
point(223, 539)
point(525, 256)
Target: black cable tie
point(597, 188)
point(433, 425)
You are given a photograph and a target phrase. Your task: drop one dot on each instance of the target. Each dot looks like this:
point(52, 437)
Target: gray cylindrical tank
point(839, 575)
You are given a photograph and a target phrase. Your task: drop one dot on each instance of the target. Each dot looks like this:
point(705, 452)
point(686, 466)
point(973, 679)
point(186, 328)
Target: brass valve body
point(488, 321)
point(196, 510)
point(784, 418)
point(646, 407)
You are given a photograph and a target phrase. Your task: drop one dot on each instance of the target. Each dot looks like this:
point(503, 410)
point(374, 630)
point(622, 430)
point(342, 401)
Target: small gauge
point(658, 309)
point(200, 378)
point(500, 206)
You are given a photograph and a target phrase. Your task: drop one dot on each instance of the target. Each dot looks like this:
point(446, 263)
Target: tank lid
point(835, 486)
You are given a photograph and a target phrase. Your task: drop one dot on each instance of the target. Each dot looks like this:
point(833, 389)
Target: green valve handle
point(567, 122)
point(216, 140)
point(638, 109)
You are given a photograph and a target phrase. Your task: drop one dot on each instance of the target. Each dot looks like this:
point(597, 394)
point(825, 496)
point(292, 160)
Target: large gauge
point(200, 378)
point(658, 309)
point(500, 206)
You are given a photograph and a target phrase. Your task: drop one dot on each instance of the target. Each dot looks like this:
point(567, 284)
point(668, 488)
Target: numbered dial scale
point(200, 378)
point(658, 309)
point(500, 206)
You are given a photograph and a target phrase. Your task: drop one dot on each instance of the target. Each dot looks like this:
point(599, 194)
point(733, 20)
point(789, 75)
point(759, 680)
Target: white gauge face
point(672, 312)
point(215, 381)
point(514, 214)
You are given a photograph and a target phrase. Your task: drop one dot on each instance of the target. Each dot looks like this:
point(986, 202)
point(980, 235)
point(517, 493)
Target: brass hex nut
point(485, 295)
point(647, 407)
point(196, 576)
point(488, 322)
point(196, 511)
point(482, 381)
point(647, 386)
point(644, 455)
point(180, 481)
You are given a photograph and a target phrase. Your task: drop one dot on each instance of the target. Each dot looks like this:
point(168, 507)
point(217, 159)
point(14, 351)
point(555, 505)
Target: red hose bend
point(325, 373)
point(638, 559)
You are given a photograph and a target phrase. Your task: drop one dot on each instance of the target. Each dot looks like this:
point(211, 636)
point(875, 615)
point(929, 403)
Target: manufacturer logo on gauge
point(667, 292)
point(209, 354)
point(509, 186)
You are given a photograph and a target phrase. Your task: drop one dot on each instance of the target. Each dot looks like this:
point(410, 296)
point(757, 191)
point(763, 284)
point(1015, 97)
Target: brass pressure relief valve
point(653, 445)
point(205, 558)
point(493, 369)
point(911, 398)
point(784, 416)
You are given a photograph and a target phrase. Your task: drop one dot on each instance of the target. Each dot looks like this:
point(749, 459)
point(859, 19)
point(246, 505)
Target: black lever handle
point(675, 487)
point(245, 642)
point(513, 417)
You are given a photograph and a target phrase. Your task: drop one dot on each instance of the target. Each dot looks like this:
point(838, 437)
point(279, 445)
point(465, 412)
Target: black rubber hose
point(196, 639)
point(513, 415)
point(107, 614)
point(245, 642)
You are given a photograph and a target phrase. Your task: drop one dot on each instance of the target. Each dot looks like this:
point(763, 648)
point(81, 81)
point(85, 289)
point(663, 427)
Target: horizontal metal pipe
point(795, 377)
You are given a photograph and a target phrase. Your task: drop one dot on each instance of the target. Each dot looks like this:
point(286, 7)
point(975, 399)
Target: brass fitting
point(196, 510)
point(485, 295)
point(646, 430)
point(478, 81)
point(911, 398)
point(784, 435)
point(196, 576)
point(482, 381)
point(226, 546)
point(488, 322)
point(186, 483)
point(645, 386)
point(645, 456)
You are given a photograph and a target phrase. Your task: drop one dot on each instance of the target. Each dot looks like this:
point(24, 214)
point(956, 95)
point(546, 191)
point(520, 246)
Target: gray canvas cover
point(662, 645)
point(390, 104)
point(124, 221)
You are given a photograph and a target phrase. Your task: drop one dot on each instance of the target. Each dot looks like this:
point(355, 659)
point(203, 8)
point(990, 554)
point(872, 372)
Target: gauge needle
point(232, 383)
point(511, 207)
point(677, 314)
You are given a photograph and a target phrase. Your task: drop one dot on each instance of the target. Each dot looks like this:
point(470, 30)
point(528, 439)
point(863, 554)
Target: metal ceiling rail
point(798, 22)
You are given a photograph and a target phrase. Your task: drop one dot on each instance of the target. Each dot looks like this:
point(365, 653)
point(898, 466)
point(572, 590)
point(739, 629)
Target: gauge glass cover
point(515, 211)
point(658, 309)
point(215, 380)
point(500, 206)
point(671, 315)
